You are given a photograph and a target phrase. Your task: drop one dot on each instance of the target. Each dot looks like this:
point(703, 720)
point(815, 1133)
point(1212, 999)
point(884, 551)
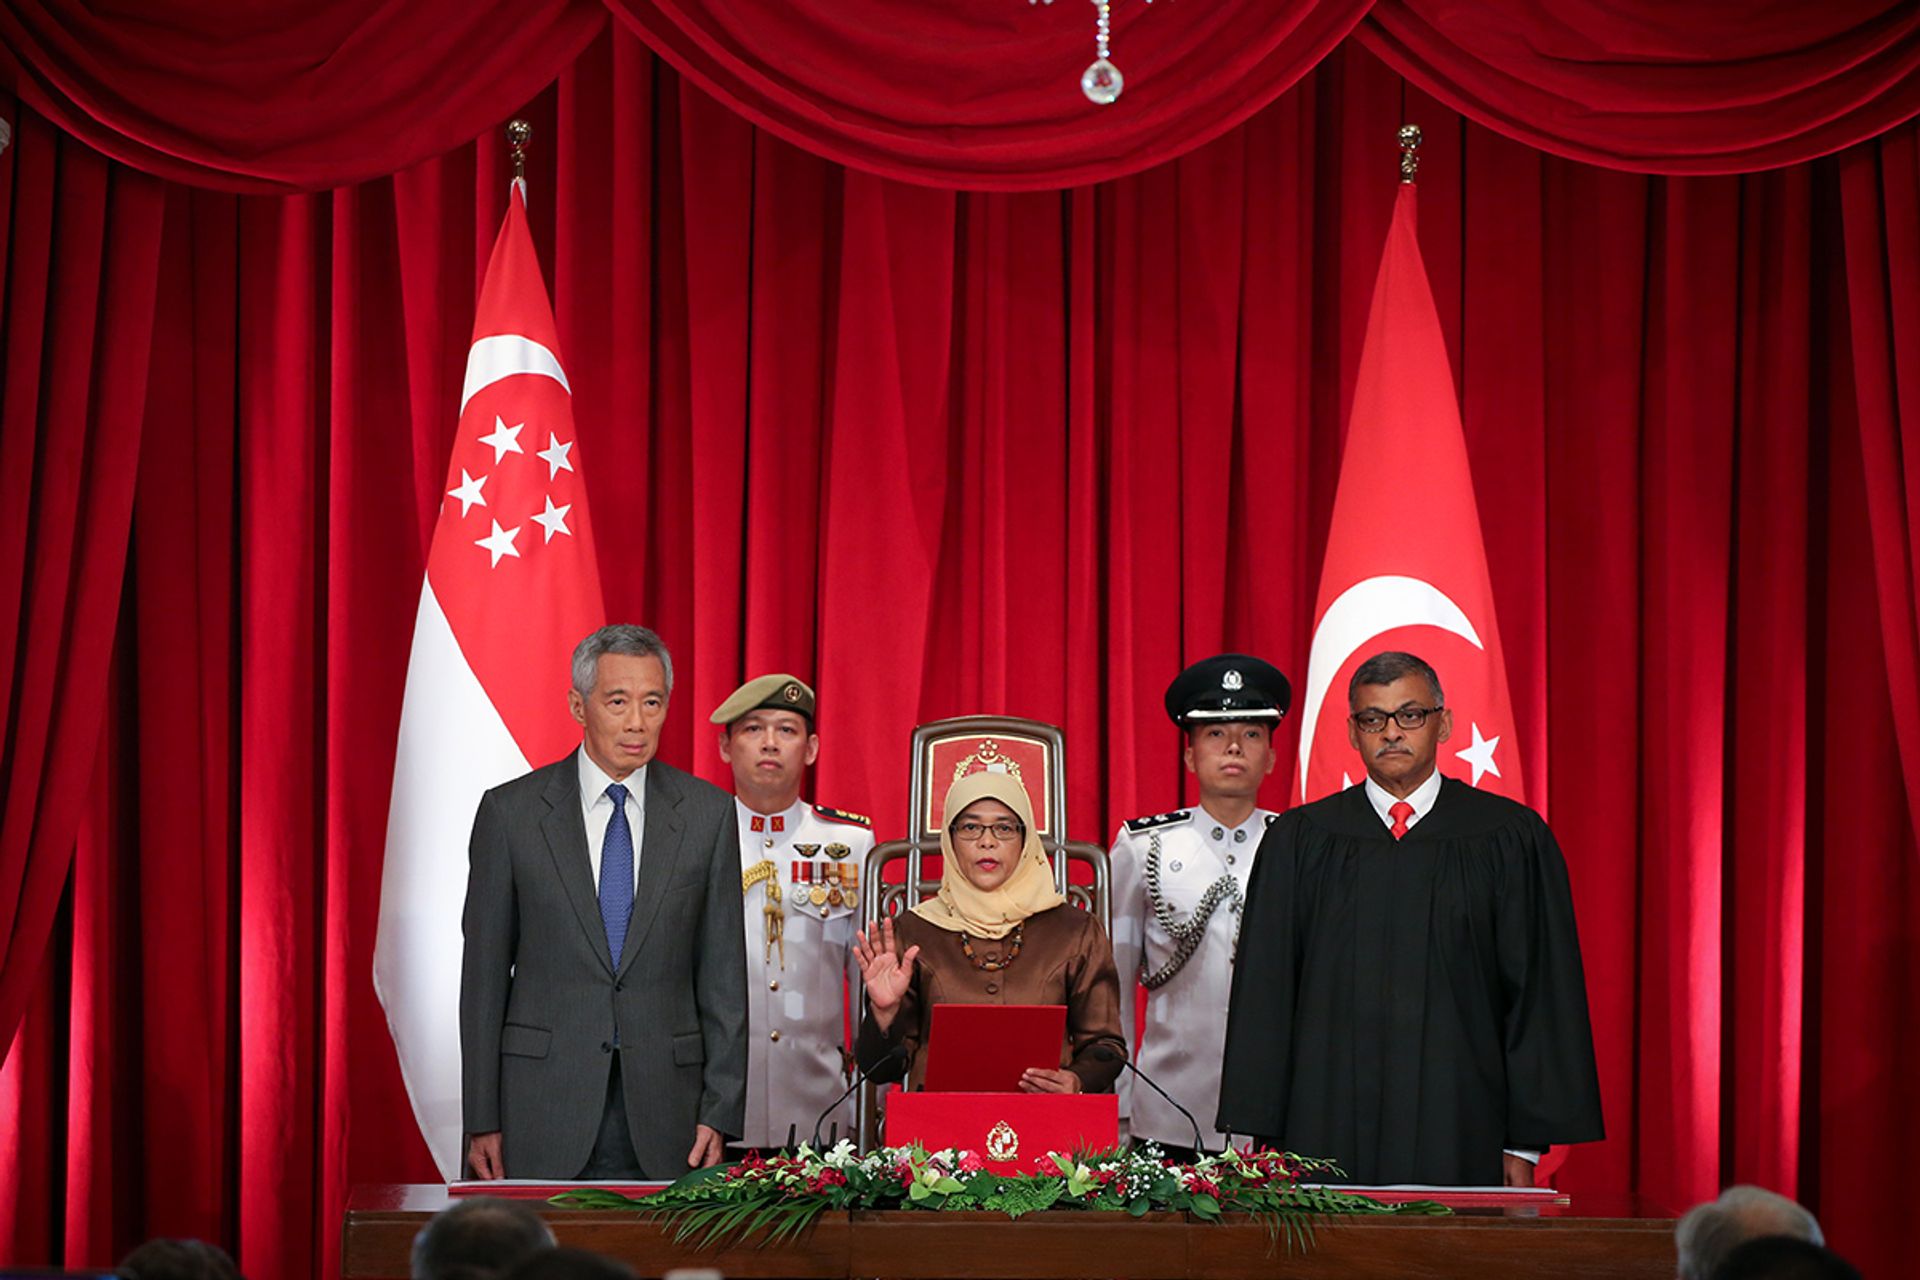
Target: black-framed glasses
point(1004, 831)
point(1372, 721)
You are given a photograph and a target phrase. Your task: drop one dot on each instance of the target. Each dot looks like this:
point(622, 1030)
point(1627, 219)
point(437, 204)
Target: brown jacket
point(1065, 958)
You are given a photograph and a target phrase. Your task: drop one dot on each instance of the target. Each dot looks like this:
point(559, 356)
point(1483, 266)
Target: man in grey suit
point(603, 1022)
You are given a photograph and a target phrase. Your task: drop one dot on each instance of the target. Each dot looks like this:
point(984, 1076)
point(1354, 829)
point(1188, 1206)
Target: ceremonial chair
point(944, 751)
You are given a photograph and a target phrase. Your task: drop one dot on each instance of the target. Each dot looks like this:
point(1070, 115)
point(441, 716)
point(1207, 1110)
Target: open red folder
point(983, 1048)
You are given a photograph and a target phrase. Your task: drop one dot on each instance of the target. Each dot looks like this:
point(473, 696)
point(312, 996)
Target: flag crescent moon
point(1368, 608)
point(501, 356)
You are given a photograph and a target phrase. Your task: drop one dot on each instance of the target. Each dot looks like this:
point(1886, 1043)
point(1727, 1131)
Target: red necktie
point(1400, 812)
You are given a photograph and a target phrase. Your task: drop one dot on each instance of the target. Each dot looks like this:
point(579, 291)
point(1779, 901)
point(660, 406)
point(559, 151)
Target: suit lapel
point(659, 851)
point(566, 832)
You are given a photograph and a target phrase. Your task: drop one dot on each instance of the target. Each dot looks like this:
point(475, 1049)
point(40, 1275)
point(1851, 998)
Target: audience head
point(571, 1264)
point(478, 1239)
point(1784, 1258)
point(179, 1260)
point(1711, 1231)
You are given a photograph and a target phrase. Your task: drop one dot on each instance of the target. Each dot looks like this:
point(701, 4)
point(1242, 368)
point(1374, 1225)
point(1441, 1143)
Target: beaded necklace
point(994, 966)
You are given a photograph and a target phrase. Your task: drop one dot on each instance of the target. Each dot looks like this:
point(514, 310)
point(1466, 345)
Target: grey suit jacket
point(540, 999)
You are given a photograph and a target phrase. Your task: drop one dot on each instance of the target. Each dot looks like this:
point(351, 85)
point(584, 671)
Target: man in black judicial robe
point(1408, 999)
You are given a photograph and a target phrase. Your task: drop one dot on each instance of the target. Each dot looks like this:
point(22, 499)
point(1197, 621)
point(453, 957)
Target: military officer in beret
point(800, 869)
point(1178, 883)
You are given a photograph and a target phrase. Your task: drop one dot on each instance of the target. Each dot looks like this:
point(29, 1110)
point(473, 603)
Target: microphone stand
point(1107, 1052)
point(895, 1057)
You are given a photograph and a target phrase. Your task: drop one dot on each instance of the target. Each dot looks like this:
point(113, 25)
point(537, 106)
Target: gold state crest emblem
point(1002, 1142)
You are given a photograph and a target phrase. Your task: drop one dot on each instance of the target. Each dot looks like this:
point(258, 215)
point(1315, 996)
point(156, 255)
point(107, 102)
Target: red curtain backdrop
point(988, 97)
point(234, 97)
point(948, 452)
point(242, 96)
point(1661, 87)
point(81, 254)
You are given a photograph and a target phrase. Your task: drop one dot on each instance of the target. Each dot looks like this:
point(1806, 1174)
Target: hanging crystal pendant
point(1101, 82)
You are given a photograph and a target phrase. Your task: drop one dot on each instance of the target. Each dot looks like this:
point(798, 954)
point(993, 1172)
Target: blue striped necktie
point(616, 874)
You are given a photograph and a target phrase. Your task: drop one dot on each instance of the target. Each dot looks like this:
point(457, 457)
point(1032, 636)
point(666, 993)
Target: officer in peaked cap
point(1178, 883)
point(800, 870)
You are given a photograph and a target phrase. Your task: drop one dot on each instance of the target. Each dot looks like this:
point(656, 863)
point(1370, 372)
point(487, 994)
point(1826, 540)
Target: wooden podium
point(1593, 1237)
point(1013, 1132)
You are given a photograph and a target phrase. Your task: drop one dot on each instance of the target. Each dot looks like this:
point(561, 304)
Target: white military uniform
point(1189, 855)
point(796, 978)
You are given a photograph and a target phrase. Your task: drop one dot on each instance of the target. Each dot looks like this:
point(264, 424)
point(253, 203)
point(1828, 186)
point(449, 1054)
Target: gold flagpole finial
point(1409, 152)
point(519, 134)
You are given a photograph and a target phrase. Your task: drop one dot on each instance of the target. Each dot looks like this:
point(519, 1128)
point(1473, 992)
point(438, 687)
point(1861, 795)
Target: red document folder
point(983, 1048)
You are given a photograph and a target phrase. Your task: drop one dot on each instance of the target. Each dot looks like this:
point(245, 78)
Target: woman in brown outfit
point(996, 933)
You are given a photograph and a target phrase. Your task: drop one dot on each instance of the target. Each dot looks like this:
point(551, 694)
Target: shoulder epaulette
point(1153, 820)
point(841, 815)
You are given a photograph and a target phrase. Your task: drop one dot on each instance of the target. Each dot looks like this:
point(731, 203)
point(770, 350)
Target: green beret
point(780, 691)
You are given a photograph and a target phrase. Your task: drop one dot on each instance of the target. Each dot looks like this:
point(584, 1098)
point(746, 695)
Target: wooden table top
point(1591, 1236)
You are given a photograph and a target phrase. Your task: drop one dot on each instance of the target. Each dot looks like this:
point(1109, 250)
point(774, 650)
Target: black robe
point(1409, 1008)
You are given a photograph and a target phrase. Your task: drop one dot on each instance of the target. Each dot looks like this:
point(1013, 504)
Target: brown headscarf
point(962, 907)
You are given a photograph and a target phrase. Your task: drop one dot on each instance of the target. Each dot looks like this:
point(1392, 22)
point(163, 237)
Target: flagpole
point(1409, 153)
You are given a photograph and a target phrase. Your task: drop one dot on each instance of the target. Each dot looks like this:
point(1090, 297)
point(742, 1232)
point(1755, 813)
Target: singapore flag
point(511, 586)
point(1406, 567)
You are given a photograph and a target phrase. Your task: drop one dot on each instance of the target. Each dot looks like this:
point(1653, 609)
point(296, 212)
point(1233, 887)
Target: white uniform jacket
point(1186, 1026)
point(797, 980)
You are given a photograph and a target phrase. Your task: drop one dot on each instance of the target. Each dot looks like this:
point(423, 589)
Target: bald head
point(1713, 1230)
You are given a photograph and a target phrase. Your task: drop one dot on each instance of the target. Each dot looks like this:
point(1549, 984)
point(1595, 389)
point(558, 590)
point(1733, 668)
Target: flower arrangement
point(779, 1197)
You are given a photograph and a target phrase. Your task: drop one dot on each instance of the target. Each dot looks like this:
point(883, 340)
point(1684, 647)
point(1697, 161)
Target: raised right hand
point(886, 973)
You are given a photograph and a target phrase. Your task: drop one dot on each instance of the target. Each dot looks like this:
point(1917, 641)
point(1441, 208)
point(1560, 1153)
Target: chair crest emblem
point(986, 758)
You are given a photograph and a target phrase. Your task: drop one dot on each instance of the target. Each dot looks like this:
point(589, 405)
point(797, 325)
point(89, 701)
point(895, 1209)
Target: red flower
point(970, 1162)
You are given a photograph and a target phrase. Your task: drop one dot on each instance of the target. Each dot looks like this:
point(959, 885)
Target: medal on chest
point(765, 872)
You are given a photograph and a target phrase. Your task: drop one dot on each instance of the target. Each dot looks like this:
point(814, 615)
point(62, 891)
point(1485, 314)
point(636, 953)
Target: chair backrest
point(943, 752)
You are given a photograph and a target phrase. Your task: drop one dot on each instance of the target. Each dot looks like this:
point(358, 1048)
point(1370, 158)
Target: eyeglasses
point(1372, 721)
point(971, 831)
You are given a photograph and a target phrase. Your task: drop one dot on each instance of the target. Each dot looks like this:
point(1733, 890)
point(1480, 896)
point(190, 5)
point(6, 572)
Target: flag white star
point(555, 455)
point(554, 519)
point(1480, 756)
point(505, 439)
point(468, 492)
point(500, 543)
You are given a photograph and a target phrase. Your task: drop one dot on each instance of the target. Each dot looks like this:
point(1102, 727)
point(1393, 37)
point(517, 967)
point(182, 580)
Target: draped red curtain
point(81, 252)
point(988, 97)
point(982, 97)
point(949, 452)
point(1660, 87)
point(241, 96)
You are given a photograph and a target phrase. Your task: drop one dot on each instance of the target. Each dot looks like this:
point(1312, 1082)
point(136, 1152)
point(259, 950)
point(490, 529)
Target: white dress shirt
point(597, 808)
point(1422, 801)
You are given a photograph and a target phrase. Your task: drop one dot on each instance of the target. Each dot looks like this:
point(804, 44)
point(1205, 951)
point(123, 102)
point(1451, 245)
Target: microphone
point(1107, 1053)
point(885, 1071)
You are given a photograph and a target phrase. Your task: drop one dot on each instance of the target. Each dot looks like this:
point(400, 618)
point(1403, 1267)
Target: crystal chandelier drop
point(1101, 81)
